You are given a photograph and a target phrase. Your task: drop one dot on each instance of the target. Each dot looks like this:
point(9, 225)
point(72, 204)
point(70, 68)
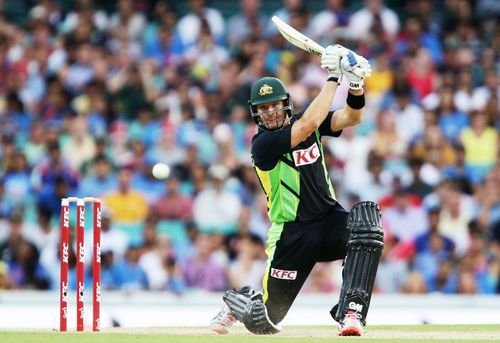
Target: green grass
point(320, 334)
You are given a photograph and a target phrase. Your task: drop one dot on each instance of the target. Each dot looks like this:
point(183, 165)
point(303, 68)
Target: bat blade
point(296, 38)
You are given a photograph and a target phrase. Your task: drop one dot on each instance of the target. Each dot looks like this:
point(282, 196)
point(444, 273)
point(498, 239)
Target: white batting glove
point(356, 68)
point(330, 60)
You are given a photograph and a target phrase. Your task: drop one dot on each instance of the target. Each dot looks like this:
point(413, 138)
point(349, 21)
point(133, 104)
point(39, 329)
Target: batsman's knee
point(364, 225)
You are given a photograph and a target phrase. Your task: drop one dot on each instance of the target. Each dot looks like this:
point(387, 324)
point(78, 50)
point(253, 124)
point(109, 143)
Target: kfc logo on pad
point(306, 156)
point(284, 274)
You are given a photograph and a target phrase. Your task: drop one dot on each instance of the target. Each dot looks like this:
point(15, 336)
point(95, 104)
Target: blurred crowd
point(92, 98)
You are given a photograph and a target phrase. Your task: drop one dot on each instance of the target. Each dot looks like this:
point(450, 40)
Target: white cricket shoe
point(222, 321)
point(351, 325)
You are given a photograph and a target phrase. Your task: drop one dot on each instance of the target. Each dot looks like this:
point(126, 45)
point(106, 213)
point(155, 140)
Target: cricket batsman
point(308, 224)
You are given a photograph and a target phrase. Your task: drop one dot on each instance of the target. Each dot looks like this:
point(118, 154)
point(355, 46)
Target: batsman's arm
point(314, 115)
point(352, 113)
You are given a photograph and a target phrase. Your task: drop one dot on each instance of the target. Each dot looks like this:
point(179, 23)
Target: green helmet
point(266, 90)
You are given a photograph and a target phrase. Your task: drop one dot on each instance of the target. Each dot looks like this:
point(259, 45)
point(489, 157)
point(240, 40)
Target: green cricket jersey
point(295, 180)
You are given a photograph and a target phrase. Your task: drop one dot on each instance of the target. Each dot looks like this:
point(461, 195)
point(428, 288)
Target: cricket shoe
point(222, 321)
point(351, 325)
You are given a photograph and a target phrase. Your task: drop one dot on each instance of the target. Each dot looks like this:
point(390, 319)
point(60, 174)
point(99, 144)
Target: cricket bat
point(296, 38)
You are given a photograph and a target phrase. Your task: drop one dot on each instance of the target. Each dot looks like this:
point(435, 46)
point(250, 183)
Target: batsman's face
point(272, 114)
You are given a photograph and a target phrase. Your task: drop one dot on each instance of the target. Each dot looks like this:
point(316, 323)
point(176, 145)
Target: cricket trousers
point(293, 250)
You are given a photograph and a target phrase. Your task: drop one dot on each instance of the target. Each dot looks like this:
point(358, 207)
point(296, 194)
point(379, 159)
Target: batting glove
point(330, 61)
point(355, 68)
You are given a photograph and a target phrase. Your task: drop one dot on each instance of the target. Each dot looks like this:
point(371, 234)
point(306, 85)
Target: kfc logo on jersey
point(284, 274)
point(306, 156)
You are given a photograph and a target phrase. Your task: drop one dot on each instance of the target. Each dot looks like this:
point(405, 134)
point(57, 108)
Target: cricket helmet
point(267, 90)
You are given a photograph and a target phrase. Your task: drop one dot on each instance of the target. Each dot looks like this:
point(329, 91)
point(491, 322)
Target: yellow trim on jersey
point(266, 184)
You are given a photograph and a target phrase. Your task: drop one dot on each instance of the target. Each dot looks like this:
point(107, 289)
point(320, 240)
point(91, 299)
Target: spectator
point(154, 265)
point(201, 270)
point(248, 267)
point(451, 121)
point(158, 39)
point(144, 128)
point(387, 140)
point(404, 221)
point(415, 284)
point(41, 233)
point(112, 238)
point(372, 17)
point(78, 74)
point(126, 204)
point(248, 22)
point(352, 150)
point(127, 274)
point(85, 13)
point(418, 186)
point(16, 180)
point(453, 222)
point(382, 78)
point(189, 27)
point(108, 281)
point(285, 13)
point(100, 179)
point(422, 77)
point(21, 257)
point(173, 205)
point(409, 117)
point(445, 280)
point(325, 22)
point(80, 147)
point(376, 186)
point(205, 57)
point(53, 169)
point(480, 144)
point(49, 198)
point(5, 280)
point(436, 151)
point(216, 209)
point(34, 148)
point(428, 260)
point(127, 18)
point(321, 279)
point(423, 242)
point(392, 271)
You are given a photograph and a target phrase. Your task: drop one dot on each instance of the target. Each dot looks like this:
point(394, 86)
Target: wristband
point(355, 101)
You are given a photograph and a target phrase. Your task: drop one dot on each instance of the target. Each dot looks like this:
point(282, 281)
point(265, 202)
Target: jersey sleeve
point(268, 146)
point(325, 127)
